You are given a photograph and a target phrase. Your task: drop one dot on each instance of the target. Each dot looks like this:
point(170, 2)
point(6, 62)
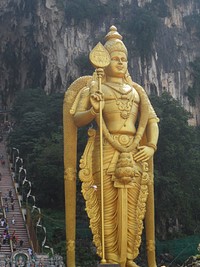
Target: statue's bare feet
point(131, 263)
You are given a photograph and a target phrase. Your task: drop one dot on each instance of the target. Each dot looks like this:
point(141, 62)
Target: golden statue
point(116, 168)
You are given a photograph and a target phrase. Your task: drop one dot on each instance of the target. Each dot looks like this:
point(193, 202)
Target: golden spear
point(100, 59)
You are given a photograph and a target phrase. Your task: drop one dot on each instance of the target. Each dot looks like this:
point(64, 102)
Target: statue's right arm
point(85, 112)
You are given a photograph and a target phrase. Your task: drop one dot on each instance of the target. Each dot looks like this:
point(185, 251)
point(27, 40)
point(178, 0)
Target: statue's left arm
point(152, 132)
point(146, 152)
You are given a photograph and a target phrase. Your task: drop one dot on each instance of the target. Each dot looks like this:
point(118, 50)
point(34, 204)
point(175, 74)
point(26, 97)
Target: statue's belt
point(123, 139)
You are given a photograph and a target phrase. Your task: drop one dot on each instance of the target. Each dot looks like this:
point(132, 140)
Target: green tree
point(38, 135)
point(142, 25)
point(193, 92)
point(28, 100)
point(93, 10)
point(176, 170)
point(46, 172)
point(158, 7)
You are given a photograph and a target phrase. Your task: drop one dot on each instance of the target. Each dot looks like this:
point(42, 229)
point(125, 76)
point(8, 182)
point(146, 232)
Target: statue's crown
point(114, 41)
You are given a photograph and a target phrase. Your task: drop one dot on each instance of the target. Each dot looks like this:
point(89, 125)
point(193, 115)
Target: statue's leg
point(110, 220)
point(132, 250)
point(150, 228)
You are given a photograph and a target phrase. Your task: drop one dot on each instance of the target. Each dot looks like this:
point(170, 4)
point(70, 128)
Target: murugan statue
point(116, 168)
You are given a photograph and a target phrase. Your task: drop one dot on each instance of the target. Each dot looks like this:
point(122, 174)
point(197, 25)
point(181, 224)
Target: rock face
point(42, 45)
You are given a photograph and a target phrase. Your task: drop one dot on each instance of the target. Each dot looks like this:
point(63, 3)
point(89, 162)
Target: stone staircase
point(18, 227)
point(9, 254)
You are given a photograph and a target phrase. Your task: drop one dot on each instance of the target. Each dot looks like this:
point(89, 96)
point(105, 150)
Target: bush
point(158, 7)
point(92, 10)
point(194, 90)
point(142, 26)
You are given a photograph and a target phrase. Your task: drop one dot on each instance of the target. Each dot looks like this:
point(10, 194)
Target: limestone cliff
point(43, 45)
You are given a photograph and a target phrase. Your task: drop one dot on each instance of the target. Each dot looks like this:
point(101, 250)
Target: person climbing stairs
point(11, 212)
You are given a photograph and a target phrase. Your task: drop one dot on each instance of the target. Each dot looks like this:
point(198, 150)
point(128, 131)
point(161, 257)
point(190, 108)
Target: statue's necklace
point(123, 106)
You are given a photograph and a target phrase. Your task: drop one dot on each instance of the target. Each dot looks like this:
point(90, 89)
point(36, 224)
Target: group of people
point(6, 236)
point(15, 242)
point(2, 159)
point(8, 197)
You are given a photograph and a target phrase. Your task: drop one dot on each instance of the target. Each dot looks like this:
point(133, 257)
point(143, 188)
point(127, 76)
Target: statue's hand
point(144, 153)
point(96, 97)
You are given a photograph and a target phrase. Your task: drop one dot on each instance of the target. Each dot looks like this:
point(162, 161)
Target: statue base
point(108, 265)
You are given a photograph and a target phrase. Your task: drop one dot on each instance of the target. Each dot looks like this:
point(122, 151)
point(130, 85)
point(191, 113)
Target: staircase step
point(19, 226)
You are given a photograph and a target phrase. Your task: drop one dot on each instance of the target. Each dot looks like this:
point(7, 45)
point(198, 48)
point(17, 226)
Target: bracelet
point(92, 111)
point(152, 145)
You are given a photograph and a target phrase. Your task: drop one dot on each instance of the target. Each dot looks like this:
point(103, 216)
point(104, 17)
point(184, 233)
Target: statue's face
point(118, 65)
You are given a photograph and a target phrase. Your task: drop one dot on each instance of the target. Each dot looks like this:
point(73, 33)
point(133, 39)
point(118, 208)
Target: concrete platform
point(108, 265)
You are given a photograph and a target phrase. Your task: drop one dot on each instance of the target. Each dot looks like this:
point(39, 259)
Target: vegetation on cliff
point(193, 92)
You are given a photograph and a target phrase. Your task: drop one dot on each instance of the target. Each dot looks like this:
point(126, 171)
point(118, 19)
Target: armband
point(152, 145)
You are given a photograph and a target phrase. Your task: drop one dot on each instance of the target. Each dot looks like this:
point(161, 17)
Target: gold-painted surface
point(150, 245)
point(70, 161)
point(71, 245)
point(125, 175)
point(99, 56)
point(70, 174)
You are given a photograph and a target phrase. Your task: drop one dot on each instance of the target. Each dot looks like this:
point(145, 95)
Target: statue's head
point(118, 54)
point(114, 41)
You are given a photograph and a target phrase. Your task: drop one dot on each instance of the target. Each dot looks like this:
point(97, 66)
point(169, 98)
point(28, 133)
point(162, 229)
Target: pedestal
point(108, 265)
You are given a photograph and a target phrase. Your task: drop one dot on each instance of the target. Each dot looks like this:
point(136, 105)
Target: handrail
point(3, 210)
point(20, 205)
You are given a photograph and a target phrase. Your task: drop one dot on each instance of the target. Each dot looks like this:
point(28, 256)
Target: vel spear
point(100, 59)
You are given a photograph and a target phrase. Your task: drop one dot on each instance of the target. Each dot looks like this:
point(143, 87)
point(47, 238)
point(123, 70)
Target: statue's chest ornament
point(124, 100)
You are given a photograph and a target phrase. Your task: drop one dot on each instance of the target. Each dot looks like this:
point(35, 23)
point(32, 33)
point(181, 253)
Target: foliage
point(142, 25)
point(194, 90)
point(46, 168)
point(179, 249)
point(86, 253)
point(37, 133)
point(27, 101)
point(177, 165)
point(158, 7)
point(92, 10)
point(84, 65)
